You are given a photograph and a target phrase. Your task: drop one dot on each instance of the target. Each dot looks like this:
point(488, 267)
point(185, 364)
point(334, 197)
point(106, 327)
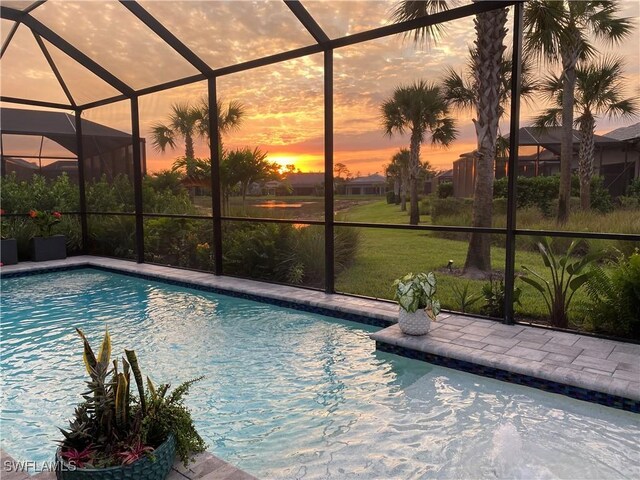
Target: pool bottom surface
point(289, 394)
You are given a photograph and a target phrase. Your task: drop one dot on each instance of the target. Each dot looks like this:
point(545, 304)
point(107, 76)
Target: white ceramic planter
point(416, 323)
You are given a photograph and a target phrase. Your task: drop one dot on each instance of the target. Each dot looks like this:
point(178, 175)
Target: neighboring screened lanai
point(107, 151)
point(118, 95)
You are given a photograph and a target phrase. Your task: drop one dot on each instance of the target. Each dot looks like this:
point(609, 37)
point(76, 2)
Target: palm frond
point(161, 137)
point(413, 9)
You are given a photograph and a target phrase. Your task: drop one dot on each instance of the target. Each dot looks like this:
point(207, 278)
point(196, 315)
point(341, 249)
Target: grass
point(385, 255)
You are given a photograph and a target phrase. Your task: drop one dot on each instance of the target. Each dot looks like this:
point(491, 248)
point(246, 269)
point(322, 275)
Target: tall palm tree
point(599, 87)
point(420, 109)
point(559, 30)
point(489, 48)
point(182, 123)
point(398, 169)
point(230, 117)
point(462, 90)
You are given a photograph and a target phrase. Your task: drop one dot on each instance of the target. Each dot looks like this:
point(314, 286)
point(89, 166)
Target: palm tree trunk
point(404, 180)
point(188, 147)
point(414, 168)
point(490, 34)
point(396, 190)
point(585, 161)
point(569, 60)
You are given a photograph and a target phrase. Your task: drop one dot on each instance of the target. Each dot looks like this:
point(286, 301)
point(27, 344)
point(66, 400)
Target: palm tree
point(230, 117)
point(489, 47)
point(419, 108)
point(182, 123)
point(559, 30)
point(244, 166)
point(463, 91)
point(598, 92)
point(398, 169)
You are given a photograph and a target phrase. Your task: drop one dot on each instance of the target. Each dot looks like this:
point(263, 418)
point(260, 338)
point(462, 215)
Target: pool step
point(587, 368)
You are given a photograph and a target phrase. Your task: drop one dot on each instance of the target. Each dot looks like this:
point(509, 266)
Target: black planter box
point(9, 251)
point(48, 248)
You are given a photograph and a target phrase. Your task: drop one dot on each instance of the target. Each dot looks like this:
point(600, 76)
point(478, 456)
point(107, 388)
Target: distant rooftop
point(625, 133)
point(374, 178)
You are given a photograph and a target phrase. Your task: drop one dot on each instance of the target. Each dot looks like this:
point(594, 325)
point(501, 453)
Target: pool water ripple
point(289, 394)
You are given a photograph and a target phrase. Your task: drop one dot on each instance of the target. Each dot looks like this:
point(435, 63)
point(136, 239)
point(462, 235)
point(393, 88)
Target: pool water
point(289, 394)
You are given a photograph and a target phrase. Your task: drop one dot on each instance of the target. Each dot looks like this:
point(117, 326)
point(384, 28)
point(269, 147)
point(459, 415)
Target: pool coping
point(588, 368)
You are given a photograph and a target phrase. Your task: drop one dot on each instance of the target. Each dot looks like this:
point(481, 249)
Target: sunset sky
point(284, 102)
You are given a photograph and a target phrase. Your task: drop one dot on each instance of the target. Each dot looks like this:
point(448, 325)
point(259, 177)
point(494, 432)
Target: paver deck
point(595, 364)
point(205, 466)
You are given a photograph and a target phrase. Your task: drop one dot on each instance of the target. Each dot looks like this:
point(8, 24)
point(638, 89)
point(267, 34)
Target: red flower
point(57, 214)
point(1, 211)
point(33, 214)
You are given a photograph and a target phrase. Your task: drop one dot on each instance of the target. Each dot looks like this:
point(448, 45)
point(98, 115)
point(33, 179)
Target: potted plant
point(45, 246)
point(117, 435)
point(9, 246)
point(418, 305)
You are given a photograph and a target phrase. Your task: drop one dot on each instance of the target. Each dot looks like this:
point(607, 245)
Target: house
point(539, 155)
point(305, 183)
point(431, 185)
point(369, 185)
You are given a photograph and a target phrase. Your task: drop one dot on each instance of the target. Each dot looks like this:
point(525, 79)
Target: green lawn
point(385, 255)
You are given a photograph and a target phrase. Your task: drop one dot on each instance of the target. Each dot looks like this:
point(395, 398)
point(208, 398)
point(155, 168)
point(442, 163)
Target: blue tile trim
point(469, 367)
point(512, 377)
point(327, 312)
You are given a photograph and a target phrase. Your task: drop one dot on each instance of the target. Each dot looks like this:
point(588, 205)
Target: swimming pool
point(289, 394)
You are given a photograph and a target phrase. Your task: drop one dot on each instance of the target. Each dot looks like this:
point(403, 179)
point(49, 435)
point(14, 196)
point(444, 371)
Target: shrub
point(450, 208)
point(613, 304)
point(180, 242)
point(541, 191)
point(391, 198)
point(531, 191)
point(445, 190)
point(567, 275)
point(39, 194)
point(494, 297)
point(425, 204)
point(633, 190)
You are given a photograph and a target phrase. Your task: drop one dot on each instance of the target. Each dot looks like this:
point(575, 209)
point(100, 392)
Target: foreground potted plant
point(116, 435)
point(418, 305)
point(45, 246)
point(8, 246)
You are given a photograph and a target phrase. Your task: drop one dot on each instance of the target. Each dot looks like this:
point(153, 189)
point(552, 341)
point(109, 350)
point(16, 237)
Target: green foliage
point(494, 297)
point(44, 221)
point(418, 291)
point(613, 305)
point(541, 191)
point(568, 274)
point(391, 198)
point(633, 190)
point(450, 207)
point(283, 252)
point(39, 194)
point(179, 241)
point(166, 414)
point(112, 427)
point(464, 298)
point(445, 190)
point(531, 191)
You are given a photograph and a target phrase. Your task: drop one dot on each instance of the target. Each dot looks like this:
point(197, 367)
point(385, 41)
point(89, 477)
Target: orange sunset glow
point(284, 102)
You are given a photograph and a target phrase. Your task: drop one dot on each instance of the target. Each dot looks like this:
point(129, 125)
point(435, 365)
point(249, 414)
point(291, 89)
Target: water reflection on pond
point(279, 204)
